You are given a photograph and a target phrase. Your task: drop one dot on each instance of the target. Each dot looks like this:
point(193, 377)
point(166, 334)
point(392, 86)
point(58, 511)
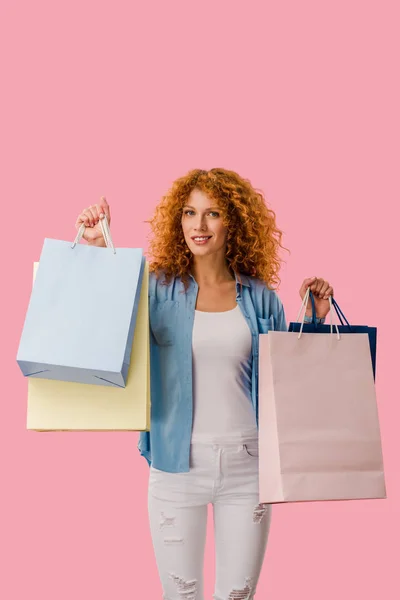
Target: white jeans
point(225, 475)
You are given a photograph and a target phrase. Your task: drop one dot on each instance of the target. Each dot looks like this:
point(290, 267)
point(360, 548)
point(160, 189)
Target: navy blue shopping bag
point(319, 328)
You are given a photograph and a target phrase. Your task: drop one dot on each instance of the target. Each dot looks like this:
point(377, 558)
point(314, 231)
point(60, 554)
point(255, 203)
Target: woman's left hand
point(321, 290)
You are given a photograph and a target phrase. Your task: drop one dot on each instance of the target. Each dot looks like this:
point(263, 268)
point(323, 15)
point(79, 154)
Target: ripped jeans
point(225, 475)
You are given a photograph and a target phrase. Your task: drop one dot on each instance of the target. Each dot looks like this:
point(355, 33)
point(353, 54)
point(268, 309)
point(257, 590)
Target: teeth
point(200, 239)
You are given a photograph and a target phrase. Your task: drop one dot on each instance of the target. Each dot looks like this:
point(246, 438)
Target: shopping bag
point(81, 316)
point(66, 406)
point(314, 328)
point(319, 434)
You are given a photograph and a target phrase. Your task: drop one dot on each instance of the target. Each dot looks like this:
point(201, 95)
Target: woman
point(214, 262)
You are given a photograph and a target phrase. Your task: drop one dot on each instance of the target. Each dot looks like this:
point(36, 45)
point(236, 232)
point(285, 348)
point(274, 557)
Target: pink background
point(120, 98)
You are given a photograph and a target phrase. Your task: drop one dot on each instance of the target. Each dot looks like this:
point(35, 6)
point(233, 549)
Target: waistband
point(224, 439)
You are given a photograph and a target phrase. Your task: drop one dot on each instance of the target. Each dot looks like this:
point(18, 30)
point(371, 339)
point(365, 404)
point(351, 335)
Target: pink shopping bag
point(319, 434)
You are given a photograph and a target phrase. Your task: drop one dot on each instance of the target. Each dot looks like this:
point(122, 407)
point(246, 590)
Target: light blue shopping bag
point(82, 312)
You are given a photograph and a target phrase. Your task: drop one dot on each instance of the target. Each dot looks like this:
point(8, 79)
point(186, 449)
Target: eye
point(213, 213)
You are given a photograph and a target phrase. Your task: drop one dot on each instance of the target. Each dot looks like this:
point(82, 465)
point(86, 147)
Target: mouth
point(200, 240)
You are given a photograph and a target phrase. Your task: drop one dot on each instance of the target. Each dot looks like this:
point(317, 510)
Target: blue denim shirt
point(167, 445)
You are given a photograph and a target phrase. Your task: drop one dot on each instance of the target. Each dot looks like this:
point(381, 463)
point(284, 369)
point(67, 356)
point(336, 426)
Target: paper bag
point(68, 406)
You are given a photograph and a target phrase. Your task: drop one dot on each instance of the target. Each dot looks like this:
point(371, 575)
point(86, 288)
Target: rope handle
point(105, 230)
point(304, 306)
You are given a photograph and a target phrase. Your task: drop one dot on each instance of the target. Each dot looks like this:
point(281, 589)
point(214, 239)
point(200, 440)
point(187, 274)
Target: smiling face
point(202, 225)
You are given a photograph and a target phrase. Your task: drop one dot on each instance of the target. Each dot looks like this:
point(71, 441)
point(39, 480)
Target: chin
point(199, 251)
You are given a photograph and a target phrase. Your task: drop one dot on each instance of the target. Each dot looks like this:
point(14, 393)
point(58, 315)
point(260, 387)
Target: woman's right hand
point(91, 217)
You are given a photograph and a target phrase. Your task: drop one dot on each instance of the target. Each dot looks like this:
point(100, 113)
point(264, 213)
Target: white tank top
point(222, 365)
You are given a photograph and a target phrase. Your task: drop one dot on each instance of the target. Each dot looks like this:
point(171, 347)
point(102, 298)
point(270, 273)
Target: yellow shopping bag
point(67, 406)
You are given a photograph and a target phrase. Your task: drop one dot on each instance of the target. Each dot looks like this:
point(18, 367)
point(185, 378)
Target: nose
point(200, 225)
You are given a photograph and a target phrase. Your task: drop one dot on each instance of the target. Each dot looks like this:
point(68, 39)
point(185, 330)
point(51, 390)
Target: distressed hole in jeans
point(173, 541)
point(259, 512)
point(246, 593)
point(166, 521)
point(187, 589)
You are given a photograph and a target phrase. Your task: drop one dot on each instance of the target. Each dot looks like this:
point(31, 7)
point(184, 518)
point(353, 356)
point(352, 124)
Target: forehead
point(200, 199)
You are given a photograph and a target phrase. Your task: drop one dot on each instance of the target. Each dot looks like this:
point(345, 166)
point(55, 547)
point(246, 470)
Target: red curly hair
point(253, 239)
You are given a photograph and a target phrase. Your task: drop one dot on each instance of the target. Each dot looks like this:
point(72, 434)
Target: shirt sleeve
point(144, 446)
point(281, 324)
point(320, 321)
point(273, 306)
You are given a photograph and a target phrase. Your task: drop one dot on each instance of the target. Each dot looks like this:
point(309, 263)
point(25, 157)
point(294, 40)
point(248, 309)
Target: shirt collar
point(242, 279)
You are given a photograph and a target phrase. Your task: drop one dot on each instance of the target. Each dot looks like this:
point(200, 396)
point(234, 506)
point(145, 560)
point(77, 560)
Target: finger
point(317, 286)
point(306, 283)
point(86, 217)
point(93, 215)
point(90, 234)
point(313, 286)
point(329, 292)
point(323, 289)
point(104, 207)
point(320, 285)
point(82, 218)
point(100, 212)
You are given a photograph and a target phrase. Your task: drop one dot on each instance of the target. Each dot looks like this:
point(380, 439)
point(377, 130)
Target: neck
point(211, 270)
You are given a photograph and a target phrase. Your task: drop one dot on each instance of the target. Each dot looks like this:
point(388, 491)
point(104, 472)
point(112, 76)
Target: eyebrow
point(209, 208)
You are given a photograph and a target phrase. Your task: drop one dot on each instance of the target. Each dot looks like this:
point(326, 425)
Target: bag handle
point(304, 306)
point(338, 310)
point(340, 313)
point(105, 230)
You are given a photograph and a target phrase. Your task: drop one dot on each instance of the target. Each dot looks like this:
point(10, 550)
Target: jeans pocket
point(251, 449)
